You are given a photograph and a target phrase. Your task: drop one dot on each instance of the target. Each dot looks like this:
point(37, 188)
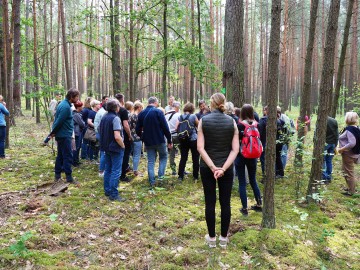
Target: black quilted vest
point(218, 129)
point(356, 132)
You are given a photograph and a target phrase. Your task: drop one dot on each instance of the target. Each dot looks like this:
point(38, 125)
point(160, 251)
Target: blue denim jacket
point(3, 112)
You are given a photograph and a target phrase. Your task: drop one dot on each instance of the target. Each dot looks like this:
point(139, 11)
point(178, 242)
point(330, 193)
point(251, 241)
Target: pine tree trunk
point(326, 87)
point(306, 89)
point(339, 76)
point(233, 70)
point(36, 67)
point(165, 61)
point(17, 60)
point(268, 220)
point(69, 82)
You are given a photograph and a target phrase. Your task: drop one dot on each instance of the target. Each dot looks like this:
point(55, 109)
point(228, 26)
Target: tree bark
point(165, 61)
point(69, 82)
point(27, 71)
point(17, 60)
point(115, 45)
point(326, 87)
point(233, 70)
point(36, 67)
point(268, 220)
point(306, 89)
point(339, 77)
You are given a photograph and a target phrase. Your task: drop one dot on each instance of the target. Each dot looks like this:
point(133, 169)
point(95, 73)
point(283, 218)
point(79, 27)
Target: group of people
point(218, 138)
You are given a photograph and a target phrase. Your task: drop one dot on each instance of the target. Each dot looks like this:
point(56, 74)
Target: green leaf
point(53, 217)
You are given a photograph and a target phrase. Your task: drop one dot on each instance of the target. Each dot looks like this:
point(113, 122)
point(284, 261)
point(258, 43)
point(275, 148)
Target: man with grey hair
point(172, 117)
point(153, 128)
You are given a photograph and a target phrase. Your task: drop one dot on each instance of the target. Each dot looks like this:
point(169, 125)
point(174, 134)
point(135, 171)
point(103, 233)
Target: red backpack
point(251, 146)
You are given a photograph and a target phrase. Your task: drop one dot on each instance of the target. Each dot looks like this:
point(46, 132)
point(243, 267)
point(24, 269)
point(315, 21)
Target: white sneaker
point(101, 174)
point(211, 242)
point(223, 241)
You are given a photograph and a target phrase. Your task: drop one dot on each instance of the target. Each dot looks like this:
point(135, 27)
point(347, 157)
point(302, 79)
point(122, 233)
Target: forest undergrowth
point(163, 229)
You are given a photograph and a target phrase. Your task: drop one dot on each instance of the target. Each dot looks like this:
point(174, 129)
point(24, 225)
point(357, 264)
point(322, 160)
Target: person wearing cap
point(79, 125)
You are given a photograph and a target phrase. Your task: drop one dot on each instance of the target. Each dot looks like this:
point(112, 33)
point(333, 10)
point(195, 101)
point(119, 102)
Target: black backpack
point(184, 129)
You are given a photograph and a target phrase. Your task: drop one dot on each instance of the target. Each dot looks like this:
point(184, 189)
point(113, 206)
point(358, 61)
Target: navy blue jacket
point(152, 127)
point(106, 131)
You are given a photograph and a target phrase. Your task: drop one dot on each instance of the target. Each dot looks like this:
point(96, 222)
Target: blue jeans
point(151, 156)
point(136, 149)
point(113, 164)
point(2, 141)
point(102, 156)
point(250, 163)
point(284, 155)
point(64, 158)
point(329, 151)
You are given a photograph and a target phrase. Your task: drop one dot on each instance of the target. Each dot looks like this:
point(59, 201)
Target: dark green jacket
point(63, 125)
point(332, 131)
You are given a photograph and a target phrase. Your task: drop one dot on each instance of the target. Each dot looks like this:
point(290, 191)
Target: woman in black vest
point(218, 146)
point(349, 148)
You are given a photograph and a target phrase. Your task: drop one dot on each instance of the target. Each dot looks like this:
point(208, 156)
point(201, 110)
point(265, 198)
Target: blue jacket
point(152, 127)
point(63, 125)
point(3, 112)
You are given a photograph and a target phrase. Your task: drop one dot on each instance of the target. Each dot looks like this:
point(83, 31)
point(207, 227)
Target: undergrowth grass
point(165, 229)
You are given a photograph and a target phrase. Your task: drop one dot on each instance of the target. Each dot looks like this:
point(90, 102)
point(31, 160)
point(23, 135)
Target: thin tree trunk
point(326, 87)
point(306, 89)
point(165, 61)
point(69, 82)
point(17, 60)
point(36, 67)
point(27, 72)
point(339, 77)
point(200, 48)
point(192, 75)
point(268, 220)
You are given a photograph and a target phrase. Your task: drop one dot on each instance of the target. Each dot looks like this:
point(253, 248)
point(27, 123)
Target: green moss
point(277, 242)
point(246, 240)
point(57, 228)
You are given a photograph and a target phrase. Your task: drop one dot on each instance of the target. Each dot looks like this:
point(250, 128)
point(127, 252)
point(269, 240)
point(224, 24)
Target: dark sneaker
point(279, 176)
point(180, 178)
point(125, 179)
point(256, 208)
point(173, 173)
point(117, 199)
point(244, 211)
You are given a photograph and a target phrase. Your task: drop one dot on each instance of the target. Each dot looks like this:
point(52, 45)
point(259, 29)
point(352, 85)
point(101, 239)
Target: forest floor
point(164, 229)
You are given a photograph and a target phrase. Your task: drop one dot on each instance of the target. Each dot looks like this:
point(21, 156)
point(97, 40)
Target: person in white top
point(171, 118)
point(169, 107)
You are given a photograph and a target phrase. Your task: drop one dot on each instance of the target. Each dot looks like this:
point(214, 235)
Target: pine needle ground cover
point(164, 228)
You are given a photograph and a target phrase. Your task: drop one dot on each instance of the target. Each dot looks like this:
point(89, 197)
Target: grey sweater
point(348, 140)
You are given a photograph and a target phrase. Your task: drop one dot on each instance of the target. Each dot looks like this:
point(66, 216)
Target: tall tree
point(268, 220)
point(27, 71)
point(36, 67)
point(233, 69)
point(115, 44)
point(339, 76)
point(306, 89)
point(69, 83)
point(326, 87)
point(17, 45)
point(165, 60)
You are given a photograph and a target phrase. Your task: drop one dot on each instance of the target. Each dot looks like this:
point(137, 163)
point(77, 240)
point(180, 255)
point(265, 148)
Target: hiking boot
point(244, 212)
point(211, 242)
point(223, 241)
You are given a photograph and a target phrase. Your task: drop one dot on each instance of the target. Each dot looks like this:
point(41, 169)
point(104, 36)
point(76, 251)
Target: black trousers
point(279, 164)
point(125, 164)
point(184, 150)
point(225, 185)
